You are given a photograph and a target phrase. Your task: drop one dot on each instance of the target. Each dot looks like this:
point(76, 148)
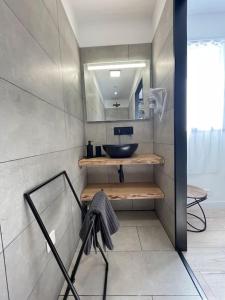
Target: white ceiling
point(206, 6)
point(113, 22)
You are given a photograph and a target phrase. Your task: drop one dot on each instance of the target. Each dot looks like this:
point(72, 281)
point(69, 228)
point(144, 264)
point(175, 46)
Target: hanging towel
point(106, 222)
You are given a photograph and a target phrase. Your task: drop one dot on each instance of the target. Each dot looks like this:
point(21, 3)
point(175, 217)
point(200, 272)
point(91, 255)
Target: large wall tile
point(29, 251)
point(42, 134)
point(145, 148)
point(164, 130)
point(167, 219)
point(19, 176)
point(45, 33)
point(73, 100)
point(122, 205)
point(28, 67)
point(74, 132)
point(165, 61)
point(166, 183)
point(104, 54)
point(139, 51)
point(143, 132)
point(98, 175)
point(141, 173)
point(51, 5)
point(30, 248)
point(167, 152)
point(52, 273)
point(3, 286)
point(28, 123)
point(162, 32)
point(0, 239)
point(95, 132)
point(163, 76)
point(147, 204)
point(70, 64)
point(66, 30)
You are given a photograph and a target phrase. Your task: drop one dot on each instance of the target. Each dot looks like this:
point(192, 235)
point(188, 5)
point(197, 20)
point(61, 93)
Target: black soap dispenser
point(89, 150)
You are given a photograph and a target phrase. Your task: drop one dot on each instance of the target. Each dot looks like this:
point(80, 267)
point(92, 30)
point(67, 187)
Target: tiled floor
point(206, 254)
point(143, 265)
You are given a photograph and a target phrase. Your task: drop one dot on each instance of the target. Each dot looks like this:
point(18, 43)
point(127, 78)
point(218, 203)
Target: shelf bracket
point(121, 174)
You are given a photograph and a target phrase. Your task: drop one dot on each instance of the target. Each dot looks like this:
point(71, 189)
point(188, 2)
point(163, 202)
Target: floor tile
point(140, 273)
point(216, 283)
point(154, 238)
point(137, 218)
point(216, 224)
point(136, 273)
point(116, 298)
point(90, 275)
point(126, 239)
point(206, 252)
point(212, 223)
point(211, 211)
point(130, 266)
point(176, 298)
point(205, 287)
point(206, 239)
point(204, 259)
point(168, 274)
point(148, 273)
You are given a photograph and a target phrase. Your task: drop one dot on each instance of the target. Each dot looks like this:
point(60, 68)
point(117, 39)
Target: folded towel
point(106, 222)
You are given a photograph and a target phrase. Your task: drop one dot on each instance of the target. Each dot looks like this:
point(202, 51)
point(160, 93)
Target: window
point(205, 85)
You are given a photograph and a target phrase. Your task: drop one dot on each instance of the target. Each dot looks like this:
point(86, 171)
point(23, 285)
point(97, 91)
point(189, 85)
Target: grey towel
point(106, 222)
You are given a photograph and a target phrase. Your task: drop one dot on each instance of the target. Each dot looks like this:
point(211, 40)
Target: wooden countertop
point(136, 159)
point(123, 191)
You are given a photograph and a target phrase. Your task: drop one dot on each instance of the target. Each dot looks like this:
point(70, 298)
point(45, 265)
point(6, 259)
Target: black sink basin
point(120, 151)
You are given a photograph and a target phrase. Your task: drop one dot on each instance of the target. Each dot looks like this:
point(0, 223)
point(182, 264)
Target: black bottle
point(98, 151)
point(89, 150)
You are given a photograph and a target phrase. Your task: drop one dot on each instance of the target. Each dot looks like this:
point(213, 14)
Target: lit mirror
point(117, 91)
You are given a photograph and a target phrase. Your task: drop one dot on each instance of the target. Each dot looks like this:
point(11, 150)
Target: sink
point(120, 151)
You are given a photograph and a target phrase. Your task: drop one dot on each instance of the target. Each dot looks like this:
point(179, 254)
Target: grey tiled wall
point(102, 133)
point(163, 76)
point(42, 133)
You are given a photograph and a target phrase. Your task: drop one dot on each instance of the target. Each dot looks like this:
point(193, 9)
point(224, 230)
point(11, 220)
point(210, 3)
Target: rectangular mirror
point(117, 91)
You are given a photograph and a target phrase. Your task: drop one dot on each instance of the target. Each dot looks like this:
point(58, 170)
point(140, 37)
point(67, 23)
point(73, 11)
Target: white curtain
point(205, 106)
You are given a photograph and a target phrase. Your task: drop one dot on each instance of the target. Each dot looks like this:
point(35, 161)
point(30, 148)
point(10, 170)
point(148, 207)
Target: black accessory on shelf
point(98, 151)
point(69, 279)
point(90, 153)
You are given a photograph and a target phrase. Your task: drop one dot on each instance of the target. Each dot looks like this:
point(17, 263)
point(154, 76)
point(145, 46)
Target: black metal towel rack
point(69, 279)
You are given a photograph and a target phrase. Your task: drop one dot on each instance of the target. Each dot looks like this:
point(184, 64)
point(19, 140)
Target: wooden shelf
point(123, 191)
point(137, 159)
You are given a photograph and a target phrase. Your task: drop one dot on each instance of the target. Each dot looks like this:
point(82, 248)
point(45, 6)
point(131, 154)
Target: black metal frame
point(69, 279)
point(197, 201)
point(180, 136)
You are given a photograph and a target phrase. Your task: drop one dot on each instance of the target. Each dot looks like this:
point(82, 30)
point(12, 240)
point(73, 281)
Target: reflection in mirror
point(117, 91)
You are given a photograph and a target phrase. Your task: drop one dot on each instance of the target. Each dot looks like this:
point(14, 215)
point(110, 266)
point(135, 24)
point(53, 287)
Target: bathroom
point(47, 120)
